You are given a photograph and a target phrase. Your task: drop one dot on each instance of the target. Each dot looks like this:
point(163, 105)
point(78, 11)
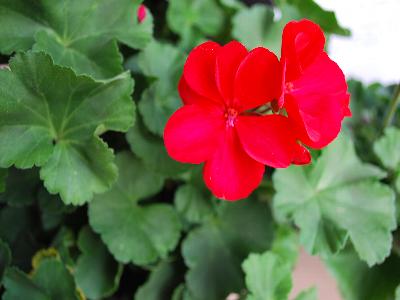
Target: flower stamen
point(230, 116)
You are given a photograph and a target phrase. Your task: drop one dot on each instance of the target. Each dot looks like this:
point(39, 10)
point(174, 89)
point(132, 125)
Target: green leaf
point(156, 108)
point(179, 291)
point(268, 276)
point(51, 280)
point(76, 34)
point(160, 284)
point(359, 282)
point(164, 63)
point(132, 231)
point(192, 19)
point(65, 243)
point(5, 258)
point(214, 251)
point(52, 276)
point(78, 171)
point(339, 197)
point(96, 272)
point(193, 203)
point(35, 114)
point(286, 244)
point(151, 150)
point(397, 293)
point(14, 195)
point(387, 148)
point(19, 286)
point(255, 26)
point(309, 294)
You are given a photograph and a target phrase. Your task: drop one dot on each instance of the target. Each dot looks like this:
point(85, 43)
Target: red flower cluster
point(246, 109)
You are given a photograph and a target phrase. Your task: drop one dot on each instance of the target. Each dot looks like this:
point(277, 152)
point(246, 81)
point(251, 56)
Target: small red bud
point(141, 13)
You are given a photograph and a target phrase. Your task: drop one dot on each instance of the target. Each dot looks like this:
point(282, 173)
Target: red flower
point(314, 89)
point(141, 13)
point(219, 86)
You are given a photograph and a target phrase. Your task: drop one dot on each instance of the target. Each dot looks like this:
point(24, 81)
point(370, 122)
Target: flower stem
point(393, 107)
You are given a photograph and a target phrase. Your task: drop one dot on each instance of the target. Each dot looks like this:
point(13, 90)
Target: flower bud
point(141, 13)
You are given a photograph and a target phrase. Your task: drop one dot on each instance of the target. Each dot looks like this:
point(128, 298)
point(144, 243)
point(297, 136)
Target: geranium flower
point(314, 89)
point(219, 87)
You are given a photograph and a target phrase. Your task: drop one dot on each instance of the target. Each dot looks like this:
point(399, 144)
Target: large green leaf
point(134, 231)
point(214, 251)
point(162, 63)
point(96, 272)
point(48, 117)
point(256, 26)
point(77, 34)
point(338, 197)
point(19, 286)
point(51, 280)
point(359, 282)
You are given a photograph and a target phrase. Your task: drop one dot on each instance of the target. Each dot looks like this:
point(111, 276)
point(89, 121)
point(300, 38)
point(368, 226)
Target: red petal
point(199, 70)
point(268, 139)
point(302, 42)
point(231, 174)
point(257, 80)
point(318, 102)
point(188, 95)
point(193, 132)
point(302, 156)
point(229, 58)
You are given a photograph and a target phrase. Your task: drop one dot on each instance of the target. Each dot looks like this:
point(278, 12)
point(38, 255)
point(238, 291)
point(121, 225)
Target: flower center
point(289, 87)
point(230, 116)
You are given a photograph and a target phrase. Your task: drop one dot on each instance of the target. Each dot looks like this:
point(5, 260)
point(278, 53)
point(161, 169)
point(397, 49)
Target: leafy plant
point(93, 207)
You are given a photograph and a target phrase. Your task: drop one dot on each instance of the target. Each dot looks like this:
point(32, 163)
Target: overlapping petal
point(200, 68)
point(188, 95)
point(301, 155)
point(257, 80)
point(268, 139)
point(228, 60)
point(302, 42)
point(318, 102)
point(193, 133)
point(230, 173)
